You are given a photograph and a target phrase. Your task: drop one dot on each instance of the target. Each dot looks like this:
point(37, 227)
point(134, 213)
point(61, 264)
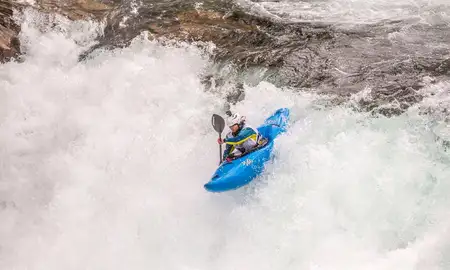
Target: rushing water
point(102, 166)
point(355, 12)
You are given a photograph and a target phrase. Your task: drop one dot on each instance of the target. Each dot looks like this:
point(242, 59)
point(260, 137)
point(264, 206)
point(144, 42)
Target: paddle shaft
point(220, 146)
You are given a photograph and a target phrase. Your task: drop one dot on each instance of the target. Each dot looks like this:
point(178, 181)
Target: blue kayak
point(239, 172)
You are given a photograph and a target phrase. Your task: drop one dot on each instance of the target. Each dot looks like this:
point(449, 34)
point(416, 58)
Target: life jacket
point(247, 143)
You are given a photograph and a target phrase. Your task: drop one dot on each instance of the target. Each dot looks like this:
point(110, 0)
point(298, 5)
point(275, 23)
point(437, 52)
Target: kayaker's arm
point(227, 151)
point(244, 135)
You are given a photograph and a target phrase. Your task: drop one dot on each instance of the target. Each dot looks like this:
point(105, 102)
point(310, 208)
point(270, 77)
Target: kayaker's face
point(234, 128)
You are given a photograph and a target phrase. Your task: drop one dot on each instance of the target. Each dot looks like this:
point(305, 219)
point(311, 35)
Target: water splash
point(103, 164)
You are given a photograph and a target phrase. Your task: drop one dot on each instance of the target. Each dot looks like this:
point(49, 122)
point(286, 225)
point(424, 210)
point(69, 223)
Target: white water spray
point(351, 12)
point(103, 164)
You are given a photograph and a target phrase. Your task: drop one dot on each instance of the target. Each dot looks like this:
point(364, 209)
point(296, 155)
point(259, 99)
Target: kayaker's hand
point(228, 159)
point(219, 141)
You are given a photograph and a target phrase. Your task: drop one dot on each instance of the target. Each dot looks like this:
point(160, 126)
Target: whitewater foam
point(346, 12)
point(103, 164)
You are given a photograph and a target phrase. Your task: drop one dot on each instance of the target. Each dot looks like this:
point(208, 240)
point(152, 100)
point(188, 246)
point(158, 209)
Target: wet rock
point(76, 9)
point(305, 56)
point(9, 43)
point(73, 9)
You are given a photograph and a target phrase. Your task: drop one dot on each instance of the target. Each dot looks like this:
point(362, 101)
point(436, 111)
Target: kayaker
point(241, 139)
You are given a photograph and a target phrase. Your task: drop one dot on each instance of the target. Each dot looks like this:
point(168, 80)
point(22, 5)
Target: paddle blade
point(218, 123)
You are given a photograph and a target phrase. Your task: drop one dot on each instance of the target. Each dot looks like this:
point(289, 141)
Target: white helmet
point(235, 119)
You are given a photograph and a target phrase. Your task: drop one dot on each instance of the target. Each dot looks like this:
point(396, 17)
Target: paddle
point(218, 124)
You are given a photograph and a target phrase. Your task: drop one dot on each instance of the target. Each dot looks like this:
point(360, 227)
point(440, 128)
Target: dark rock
point(9, 43)
point(304, 56)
